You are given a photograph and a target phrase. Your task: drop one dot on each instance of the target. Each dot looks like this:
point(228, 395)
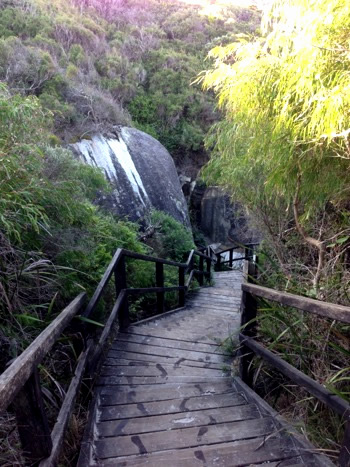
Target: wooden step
point(183, 438)
point(169, 406)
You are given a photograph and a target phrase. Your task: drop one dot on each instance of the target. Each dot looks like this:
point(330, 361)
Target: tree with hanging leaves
point(284, 145)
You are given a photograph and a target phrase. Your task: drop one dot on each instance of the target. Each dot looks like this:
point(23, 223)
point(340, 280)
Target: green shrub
point(175, 241)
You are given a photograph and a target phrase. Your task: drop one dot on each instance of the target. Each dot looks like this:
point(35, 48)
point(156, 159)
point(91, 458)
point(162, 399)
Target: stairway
point(165, 395)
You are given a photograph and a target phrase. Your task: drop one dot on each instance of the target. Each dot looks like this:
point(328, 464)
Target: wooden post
point(218, 263)
point(208, 261)
point(160, 283)
point(344, 457)
point(231, 259)
point(33, 427)
point(201, 269)
point(249, 309)
point(120, 284)
point(246, 253)
point(181, 284)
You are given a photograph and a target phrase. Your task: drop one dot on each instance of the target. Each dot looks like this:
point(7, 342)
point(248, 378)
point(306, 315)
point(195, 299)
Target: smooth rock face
point(223, 221)
point(141, 171)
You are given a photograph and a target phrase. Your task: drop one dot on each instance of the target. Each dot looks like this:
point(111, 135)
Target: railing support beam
point(182, 292)
point(160, 283)
point(32, 423)
point(120, 284)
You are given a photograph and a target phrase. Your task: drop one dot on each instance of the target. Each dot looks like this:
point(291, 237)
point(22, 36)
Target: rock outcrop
point(223, 221)
point(141, 172)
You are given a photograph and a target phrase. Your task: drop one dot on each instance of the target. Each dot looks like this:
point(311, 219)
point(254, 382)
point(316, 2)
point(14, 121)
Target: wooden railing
point(247, 251)
point(250, 346)
point(20, 382)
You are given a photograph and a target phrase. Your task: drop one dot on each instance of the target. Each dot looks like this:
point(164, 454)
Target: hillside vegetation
point(68, 69)
point(96, 64)
point(283, 151)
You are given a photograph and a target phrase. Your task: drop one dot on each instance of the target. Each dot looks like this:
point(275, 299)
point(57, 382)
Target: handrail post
point(208, 261)
point(181, 284)
point(201, 270)
point(160, 283)
point(231, 258)
point(120, 284)
point(249, 308)
point(218, 263)
point(246, 252)
point(344, 457)
point(32, 423)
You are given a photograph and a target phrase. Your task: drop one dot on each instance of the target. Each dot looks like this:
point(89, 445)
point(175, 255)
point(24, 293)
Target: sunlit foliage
point(285, 139)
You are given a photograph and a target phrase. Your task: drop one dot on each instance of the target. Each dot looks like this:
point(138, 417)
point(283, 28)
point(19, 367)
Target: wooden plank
point(324, 309)
point(158, 369)
point(204, 337)
point(202, 417)
point(175, 344)
point(147, 380)
point(169, 406)
point(230, 454)
point(165, 351)
point(16, 375)
point(331, 400)
point(182, 438)
point(188, 336)
point(199, 326)
point(66, 411)
point(306, 449)
point(119, 395)
point(137, 359)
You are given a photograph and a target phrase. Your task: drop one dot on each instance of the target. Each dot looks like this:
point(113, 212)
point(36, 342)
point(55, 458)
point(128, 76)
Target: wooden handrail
point(20, 384)
point(17, 374)
point(313, 387)
point(22, 377)
point(250, 347)
point(103, 282)
point(326, 310)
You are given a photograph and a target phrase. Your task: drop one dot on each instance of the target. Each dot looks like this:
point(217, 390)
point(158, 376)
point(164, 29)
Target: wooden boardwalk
point(165, 396)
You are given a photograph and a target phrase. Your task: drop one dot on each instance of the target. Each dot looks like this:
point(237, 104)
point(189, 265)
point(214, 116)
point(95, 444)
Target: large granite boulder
point(141, 172)
point(223, 221)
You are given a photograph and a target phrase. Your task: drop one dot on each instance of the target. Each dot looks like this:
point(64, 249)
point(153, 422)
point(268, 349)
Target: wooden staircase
point(165, 395)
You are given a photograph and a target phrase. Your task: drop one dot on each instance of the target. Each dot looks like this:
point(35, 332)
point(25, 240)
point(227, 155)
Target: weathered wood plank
point(137, 380)
point(324, 309)
point(202, 417)
point(183, 438)
point(15, 376)
point(169, 406)
point(158, 369)
point(132, 359)
point(146, 360)
point(115, 395)
point(209, 337)
point(165, 351)
point(230, 454)
point(331, 400)
point(172, 343)
point(65, 413)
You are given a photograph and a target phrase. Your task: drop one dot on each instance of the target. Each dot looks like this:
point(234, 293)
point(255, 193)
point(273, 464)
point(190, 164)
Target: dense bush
point(91, 65)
